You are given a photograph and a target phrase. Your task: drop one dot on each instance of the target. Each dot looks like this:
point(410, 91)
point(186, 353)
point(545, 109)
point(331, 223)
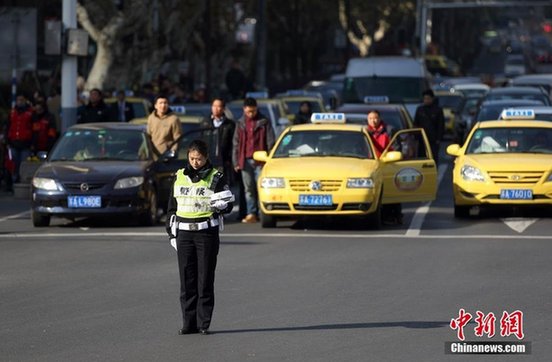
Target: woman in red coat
point(392, 213)
point(378, 132)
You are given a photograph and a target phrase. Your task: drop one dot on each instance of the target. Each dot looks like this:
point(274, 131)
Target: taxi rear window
point(323, 144)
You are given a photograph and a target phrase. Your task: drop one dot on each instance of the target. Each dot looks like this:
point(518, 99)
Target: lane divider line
point(415, 226)
point(257, 236)
point(9, 217)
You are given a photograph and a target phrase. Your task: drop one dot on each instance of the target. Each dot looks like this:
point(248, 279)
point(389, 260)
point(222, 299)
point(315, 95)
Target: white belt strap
point(194, 226)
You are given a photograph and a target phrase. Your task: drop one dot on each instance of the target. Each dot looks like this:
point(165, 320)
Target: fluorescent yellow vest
point(193, 199)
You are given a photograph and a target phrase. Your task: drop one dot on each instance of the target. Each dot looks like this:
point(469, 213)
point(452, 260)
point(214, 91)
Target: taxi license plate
point(523, 194)
point(315, 200)
point(84, 201)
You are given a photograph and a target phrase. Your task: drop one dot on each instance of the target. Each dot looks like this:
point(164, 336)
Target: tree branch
point(84, 20)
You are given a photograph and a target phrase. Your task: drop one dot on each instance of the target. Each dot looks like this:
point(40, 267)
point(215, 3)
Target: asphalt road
point(314, 291)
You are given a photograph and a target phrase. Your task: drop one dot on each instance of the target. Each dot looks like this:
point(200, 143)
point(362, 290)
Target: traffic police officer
point(199, 197)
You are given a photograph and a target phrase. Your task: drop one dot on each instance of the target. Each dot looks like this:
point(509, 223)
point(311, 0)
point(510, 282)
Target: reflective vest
point(194, 199)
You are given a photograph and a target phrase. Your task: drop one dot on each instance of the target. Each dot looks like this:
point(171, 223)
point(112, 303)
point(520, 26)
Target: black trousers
point(197, 259)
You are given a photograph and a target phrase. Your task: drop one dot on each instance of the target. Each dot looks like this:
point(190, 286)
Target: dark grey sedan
point(103, 169)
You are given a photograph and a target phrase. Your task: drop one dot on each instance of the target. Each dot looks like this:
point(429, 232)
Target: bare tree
point(134, 41)
point(104, 33)
point(372, 20)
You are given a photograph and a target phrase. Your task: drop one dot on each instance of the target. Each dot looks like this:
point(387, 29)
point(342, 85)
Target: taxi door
point(414, 178)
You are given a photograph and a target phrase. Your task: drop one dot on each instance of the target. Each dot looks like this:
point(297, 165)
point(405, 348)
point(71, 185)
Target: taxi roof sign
point(517, 114)
point(256, 95)
point(328, 118)
point(376, 99)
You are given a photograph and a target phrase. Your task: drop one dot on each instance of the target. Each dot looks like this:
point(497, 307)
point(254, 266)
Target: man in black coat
point(431, 118)
point(121, 110)
point(96, 110)
point(225, 127)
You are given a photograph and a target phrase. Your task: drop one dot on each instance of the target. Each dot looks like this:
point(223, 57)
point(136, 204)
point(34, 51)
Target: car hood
point(90, 171)
point(319, 167)
point(510, 162)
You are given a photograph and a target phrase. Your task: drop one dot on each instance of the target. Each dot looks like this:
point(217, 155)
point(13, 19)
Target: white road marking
point(258, 236)
point(519, 224)
point(418, 219)
point(9, 217)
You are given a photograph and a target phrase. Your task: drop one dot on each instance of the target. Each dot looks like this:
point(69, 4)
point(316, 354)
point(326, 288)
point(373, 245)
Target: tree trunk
point(100, 69)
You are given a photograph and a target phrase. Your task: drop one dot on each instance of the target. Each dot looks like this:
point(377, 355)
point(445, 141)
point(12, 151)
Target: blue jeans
point(18, 155)
point(250, 175)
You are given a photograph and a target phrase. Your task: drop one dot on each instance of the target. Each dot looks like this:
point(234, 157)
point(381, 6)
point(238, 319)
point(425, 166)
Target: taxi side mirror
point(260, 156)
point(392, 156)
point(454, 150)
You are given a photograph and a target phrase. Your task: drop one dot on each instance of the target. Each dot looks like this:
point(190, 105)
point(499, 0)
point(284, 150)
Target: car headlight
point(272, 183)
point(127, 182)
point(360, 183)
point(470, 173)
point(549, 179)
point(48, 184)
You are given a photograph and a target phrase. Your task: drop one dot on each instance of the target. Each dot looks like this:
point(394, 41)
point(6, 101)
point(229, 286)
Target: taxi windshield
point(104, 145)
point(324, 144)
point(511, 140)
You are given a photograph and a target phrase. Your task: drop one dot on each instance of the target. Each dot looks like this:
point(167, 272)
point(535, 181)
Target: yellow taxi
point(505, 162)
point(328, 168)
point(450, 102)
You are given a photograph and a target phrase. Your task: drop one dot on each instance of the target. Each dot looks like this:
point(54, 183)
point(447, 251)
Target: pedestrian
point(223, 149)
point(122, 110)
point(19, 136)
point(377, 131)
point(224, 127)
point(95, 111)
point(199, 197)
point(304, 113)
point(391, 213)
point(430, 117)
point(253, 132)
point(44, 129)
point(236, 81)
point(163, 126)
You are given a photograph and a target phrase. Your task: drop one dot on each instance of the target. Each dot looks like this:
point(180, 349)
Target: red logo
point(510, 324)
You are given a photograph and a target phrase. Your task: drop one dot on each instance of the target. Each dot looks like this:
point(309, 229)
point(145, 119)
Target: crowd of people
point(30, 128)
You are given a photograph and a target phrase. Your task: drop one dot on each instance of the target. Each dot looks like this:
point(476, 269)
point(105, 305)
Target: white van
point(395, 78)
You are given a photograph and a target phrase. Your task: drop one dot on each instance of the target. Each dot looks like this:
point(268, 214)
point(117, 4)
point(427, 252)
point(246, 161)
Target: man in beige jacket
point(163, 126)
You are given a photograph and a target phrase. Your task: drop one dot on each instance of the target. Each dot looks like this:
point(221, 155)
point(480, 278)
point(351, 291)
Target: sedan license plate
point(315, 200)
point(84, 201)
point(523, 194)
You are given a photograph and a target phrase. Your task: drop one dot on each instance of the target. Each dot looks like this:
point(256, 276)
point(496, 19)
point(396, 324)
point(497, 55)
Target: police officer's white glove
point(173, 243)
point(220, 205)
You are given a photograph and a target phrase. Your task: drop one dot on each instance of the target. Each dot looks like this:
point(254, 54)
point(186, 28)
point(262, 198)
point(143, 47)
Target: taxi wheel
point(267, 221)
point(461, 211)
point(149, 218)
point(40, 220)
